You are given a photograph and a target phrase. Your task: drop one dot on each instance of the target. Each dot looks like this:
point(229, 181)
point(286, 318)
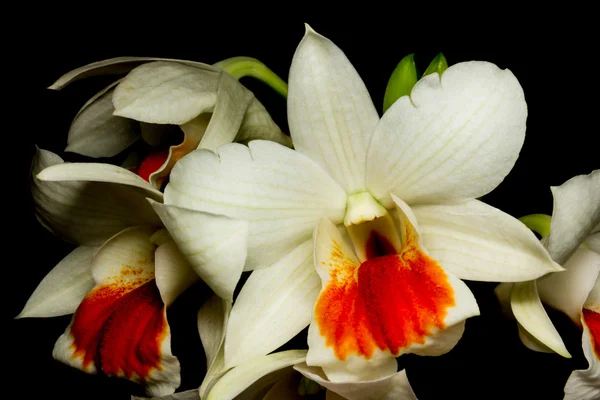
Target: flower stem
point(239, 67)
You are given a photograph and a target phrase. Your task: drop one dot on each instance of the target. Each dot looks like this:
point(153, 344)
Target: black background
point(551, 57)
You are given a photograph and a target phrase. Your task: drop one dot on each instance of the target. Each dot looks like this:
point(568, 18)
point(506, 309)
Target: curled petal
point(575, 213)
point(530, 314)
point(583, 384)
point(172, 272)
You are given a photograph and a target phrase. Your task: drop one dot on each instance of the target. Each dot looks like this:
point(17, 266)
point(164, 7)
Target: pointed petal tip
point(308, 30)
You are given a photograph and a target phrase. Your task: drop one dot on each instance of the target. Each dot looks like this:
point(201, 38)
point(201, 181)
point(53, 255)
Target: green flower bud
point(401, 82)
point(438, 64)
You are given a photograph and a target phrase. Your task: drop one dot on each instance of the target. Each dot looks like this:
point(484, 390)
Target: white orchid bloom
point(403, 187)
point(573, 239)
point(161, 94)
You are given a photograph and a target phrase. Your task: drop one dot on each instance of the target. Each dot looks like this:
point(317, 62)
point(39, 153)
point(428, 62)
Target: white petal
point(166, 93)
point(214, 245)
point(87, 212)
point(97, 172)
point(96, 132)
point(256, 374)
point(530, 313)
point(279, 191)
point(213, 317)
point(453, 139)
point(231, 105)
point(114, 66)
point(531, 342)
point(392, 387)
point(258, 124)
point(173, 273)
point(575, 213)
point(61, 291)
point(274, 305)
point(478, 242)
point(567, 290)
point(584, 384)
point(330, 112)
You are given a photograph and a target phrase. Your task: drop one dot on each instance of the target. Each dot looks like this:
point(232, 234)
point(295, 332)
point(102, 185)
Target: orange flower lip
point(592, 320)
point(391, 302)
point(120, 329)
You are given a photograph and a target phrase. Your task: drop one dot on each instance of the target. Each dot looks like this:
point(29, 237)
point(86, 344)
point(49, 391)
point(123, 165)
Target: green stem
point(539, 223)
point(239, 67)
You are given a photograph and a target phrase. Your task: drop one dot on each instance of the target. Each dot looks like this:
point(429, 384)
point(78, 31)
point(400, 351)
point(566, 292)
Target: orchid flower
point(392, 206)
point(161, 94)
point(572, 237)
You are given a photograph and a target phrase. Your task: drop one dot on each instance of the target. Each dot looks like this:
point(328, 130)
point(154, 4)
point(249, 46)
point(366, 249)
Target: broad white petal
point(575, 213)
point(61, 291)
point(121, 326)
point(97, 172)
point(279, 191)
point(96, 132)
point(529, 312)
point(86, 212)
point(214, 245)
point(116, 66)
point(391, 387)
point(166, 93)
point(231, 104)
point(330, 112)
point(213, 317)
point(584, 384)
point(478, 242)
point(453, 139)
point(255, 375)
point(172, 272)
point(567, 290)
point(258, 124)
point(274, 305)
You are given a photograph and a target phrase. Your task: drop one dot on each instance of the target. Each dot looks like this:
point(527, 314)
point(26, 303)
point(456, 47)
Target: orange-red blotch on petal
point(120, 329)
point(391, 303)
point(592, 320)
point(152, 163)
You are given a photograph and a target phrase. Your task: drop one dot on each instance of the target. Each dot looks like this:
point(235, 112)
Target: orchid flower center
point(371, 228)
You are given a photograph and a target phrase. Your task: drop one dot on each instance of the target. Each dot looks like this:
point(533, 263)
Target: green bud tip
point(438, 64)
point(401, 81)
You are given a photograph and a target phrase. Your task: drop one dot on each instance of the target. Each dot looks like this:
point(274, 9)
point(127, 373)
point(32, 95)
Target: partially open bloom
point(391, 204)
point(573, 241)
